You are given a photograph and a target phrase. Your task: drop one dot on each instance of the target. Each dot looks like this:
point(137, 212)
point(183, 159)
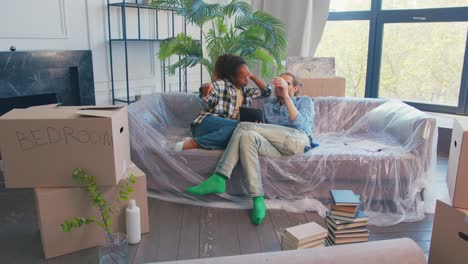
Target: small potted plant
point(115, 248)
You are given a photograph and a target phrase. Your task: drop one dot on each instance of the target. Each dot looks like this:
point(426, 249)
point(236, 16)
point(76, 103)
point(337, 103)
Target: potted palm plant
point(226, 29)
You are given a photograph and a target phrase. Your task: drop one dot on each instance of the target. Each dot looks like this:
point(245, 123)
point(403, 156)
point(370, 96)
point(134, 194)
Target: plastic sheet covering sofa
point(390, 182)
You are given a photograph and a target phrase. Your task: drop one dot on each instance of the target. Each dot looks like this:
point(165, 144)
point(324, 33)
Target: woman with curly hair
point(214, 126)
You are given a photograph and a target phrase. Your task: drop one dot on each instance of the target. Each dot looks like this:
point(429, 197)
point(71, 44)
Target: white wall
point(82, 25)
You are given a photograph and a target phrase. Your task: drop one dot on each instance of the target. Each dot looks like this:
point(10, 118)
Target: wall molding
point(63, 34)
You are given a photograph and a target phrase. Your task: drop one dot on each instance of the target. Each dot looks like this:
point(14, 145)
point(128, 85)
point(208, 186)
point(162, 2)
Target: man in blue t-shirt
point(288, 132)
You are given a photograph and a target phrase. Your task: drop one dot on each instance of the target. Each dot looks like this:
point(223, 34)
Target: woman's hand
point(207, 90)
point(251, 76)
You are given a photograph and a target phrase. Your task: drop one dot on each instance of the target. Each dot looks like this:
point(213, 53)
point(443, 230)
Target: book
point(359, 217)
point(341, 213)
point(363, 234)
point(344, 197)
point(316, 246)
point(347, 239)
point(342, 218)
point(286, 244)
point(344, 225)
point(344, 208)
point(304, 233)
point(322, 244)
point(290, 241)
point(329, 242)
point(346, 231)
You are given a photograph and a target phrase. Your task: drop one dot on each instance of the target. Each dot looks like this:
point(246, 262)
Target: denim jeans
point(214, 132)
point(251, 140)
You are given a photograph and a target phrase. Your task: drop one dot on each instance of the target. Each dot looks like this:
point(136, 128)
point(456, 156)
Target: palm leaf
point(199, 12)
point(266, 61)
point(189, 50)
point(167, 4)
point(179, 45)
point(237, 7)
point(184, 62)
point(272, 27)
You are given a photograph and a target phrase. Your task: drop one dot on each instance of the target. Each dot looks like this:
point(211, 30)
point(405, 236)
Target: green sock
point(216, 183)
point(259, 210)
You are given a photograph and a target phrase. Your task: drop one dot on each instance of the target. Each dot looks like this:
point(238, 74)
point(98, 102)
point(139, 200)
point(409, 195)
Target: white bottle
point(132, 215)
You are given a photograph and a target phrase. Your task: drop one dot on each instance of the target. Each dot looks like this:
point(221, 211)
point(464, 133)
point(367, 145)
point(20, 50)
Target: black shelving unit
point(126, 41)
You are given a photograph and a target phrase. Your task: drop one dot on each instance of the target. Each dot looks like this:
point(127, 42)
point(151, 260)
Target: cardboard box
point(42, 145)
point(449, 243)
point(331, 86)
point(457, 173)
point(54, 205)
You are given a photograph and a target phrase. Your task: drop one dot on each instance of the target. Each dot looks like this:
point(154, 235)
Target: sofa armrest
point(402, 250)
point(413, 129)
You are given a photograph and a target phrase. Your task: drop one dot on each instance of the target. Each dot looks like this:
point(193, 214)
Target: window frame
point(378, 17)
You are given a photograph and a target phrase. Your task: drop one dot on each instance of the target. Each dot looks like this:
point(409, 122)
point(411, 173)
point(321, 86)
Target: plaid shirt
point(222, 101)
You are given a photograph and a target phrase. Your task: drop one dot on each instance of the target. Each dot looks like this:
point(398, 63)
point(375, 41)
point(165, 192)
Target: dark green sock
point(216, 183)
point(259, 210)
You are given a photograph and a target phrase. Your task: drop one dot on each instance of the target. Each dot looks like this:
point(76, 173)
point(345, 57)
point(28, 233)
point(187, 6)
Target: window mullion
point(372, 69)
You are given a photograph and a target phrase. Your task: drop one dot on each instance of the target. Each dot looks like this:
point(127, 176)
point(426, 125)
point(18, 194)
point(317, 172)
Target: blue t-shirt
point(277, 114)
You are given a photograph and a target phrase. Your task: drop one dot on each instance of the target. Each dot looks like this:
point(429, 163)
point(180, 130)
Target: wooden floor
point(180, 231)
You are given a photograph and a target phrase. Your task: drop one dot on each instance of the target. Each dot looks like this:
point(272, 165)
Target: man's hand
point(206, 90)
point(281, 86)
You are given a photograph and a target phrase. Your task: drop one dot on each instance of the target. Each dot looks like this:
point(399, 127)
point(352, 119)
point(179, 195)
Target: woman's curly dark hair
point(227, 65)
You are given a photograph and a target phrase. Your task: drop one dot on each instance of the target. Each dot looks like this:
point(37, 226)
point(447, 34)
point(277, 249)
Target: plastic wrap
point(382, 150)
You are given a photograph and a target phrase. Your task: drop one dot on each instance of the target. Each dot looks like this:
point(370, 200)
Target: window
point(423, 62)
point(419, 4)
point(347, 41)
point(412, 50)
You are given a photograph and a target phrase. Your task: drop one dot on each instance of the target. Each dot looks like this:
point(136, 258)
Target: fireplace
point(41, 77)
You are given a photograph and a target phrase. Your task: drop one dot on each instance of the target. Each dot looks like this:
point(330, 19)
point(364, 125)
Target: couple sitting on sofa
point(287, 130)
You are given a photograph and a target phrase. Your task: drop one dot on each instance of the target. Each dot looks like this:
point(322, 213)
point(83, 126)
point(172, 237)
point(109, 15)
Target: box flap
point(47, 106)
point(61, 112)
point(39, 113)
point(99, 111)
point(103, 107)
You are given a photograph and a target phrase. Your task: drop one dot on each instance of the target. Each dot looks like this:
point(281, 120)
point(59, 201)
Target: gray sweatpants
point(251, 140)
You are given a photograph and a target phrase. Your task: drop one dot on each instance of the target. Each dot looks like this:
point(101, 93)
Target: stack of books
point(345, 222)
point(308, 235)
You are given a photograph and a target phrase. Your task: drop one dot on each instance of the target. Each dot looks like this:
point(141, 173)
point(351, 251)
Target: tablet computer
point(248, 114)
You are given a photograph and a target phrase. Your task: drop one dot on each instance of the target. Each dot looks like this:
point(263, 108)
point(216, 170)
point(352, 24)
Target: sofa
point(390, 179)
point(402, 250)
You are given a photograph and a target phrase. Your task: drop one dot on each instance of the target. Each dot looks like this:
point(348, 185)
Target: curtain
point(304, 19)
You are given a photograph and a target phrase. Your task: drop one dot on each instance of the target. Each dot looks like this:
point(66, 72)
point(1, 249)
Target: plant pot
point(114, 250)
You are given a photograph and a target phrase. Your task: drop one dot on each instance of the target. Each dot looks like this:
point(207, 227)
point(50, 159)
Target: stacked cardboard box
point(40, 148)
point(326, 86)
point(449, 242)
point(345, 222)
point(457, 173)
point(304, 236)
